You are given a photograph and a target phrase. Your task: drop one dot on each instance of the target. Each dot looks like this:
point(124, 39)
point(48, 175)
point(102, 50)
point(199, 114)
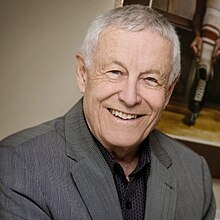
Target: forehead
point(141, 48)
point(116, 35)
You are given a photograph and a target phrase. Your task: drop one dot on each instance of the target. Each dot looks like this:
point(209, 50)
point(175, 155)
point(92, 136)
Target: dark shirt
point(132, 192)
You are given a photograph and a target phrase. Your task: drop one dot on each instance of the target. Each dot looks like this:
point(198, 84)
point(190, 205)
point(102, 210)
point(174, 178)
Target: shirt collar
point(144, 156)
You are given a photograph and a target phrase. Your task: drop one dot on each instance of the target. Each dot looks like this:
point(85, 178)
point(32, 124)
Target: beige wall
point(38, 40)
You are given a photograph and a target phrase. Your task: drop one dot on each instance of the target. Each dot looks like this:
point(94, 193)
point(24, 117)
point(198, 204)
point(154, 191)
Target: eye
point(151, 81)
point(114, 74)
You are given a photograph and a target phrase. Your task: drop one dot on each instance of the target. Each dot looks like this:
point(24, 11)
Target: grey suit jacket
point(55, 171)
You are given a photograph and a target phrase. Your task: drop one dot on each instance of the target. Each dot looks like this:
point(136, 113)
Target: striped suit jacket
point(55, 171)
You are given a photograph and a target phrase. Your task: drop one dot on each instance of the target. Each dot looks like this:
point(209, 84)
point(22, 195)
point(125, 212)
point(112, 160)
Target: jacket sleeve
point(209, 203)
point(20, 196)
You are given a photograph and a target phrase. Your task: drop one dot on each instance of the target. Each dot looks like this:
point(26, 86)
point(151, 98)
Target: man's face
point(127, 87)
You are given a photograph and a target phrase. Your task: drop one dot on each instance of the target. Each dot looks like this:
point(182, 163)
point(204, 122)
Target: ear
point(81, 72)
point(170, 92)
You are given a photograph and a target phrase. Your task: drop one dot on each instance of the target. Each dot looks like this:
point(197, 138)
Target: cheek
point(156, 99)
point(99, 90)
point(95, 94)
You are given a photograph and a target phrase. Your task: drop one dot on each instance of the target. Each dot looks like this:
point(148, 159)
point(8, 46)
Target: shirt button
point(128, 204)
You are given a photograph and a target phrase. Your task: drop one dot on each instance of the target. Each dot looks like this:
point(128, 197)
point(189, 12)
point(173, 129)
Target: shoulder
point(36, 132)
point(186, 165)
point(191, 173)
point(31, 154)
point(32, 144)
point(47, 140)
point(173, 147)
point(182, 160)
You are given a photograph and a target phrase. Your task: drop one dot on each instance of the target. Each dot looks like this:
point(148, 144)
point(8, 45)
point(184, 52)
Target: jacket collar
point(158, 149)
point(89, 170)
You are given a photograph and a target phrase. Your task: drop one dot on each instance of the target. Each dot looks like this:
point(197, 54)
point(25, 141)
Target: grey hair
point(133, 18)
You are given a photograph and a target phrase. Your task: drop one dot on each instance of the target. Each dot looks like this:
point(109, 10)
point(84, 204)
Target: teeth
point(122, 115)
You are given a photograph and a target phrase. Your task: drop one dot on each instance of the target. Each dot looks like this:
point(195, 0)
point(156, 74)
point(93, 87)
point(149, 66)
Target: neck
point(127, 160)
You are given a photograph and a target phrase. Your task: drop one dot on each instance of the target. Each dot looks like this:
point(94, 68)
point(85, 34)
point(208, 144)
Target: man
point(103, 159)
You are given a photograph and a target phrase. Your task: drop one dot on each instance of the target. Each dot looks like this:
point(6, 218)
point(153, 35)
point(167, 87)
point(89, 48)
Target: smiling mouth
point(123, 115)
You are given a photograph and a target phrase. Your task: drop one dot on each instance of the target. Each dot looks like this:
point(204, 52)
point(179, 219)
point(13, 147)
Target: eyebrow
point(118, 63)
point(153, 71)
point(112, 61)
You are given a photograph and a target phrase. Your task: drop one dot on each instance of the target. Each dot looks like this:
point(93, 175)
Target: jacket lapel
point(97, 190)
point(90, 172)
point(162, 184)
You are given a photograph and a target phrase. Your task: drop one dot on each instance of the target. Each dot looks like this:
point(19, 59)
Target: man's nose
point(129, 94)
